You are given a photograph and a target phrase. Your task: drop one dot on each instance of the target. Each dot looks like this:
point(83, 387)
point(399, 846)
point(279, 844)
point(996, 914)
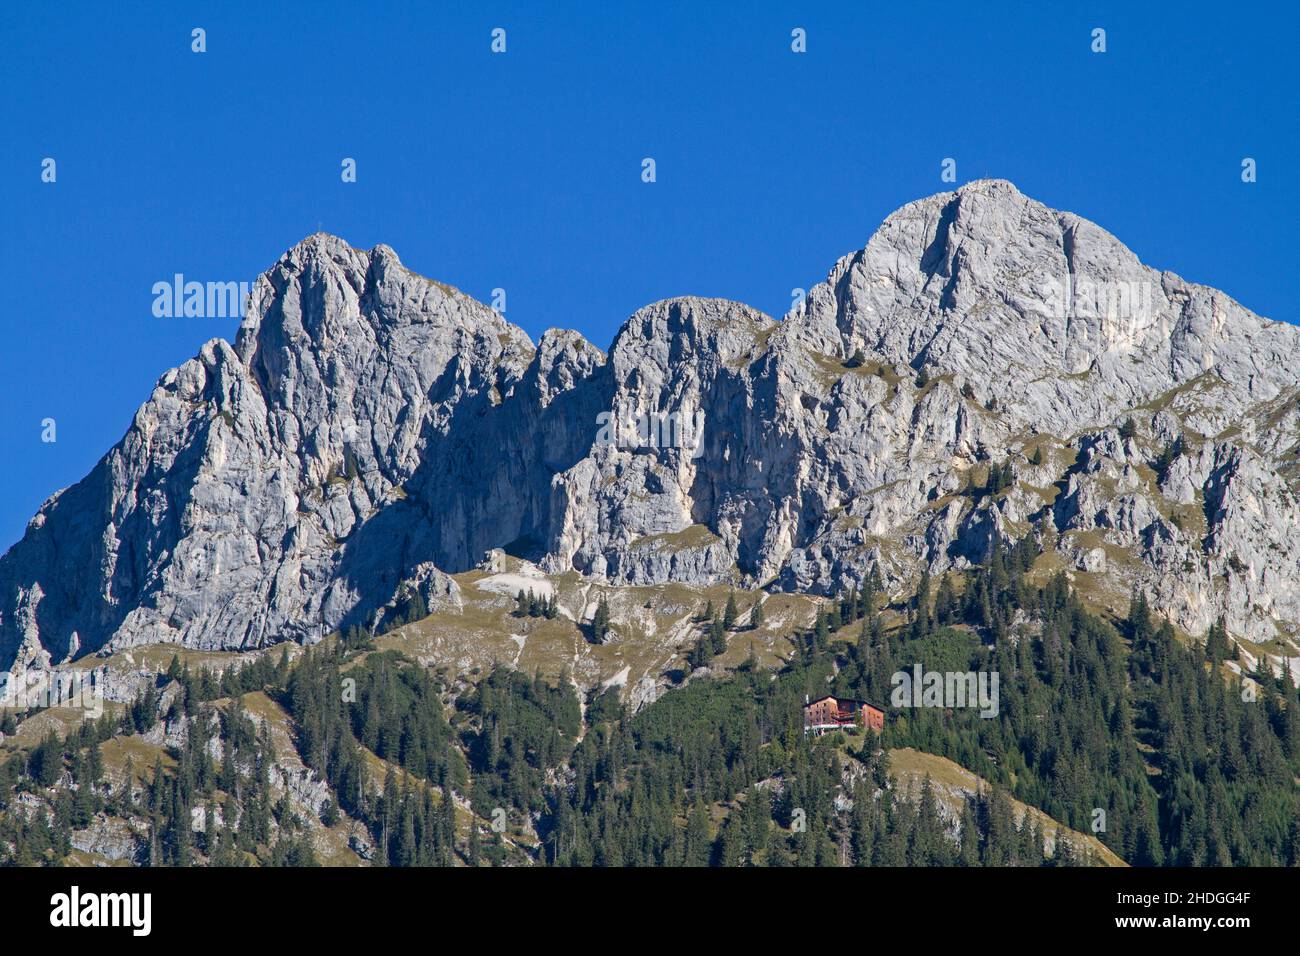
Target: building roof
point(845, 700)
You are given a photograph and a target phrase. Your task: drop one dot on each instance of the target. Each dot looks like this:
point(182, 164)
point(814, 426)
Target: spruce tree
point(717, 637)
point(600, 622)
point(699, 846)
point(945, 604)
point(821, 631)
point(1166, 458)
point(729, 612)
point(1216, 642)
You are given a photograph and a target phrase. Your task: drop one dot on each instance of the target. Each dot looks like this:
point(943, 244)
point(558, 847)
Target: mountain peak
point(371, 424)
point(1016, 298)
point(989, 187)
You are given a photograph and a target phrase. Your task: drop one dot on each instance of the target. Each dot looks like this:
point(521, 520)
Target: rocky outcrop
point(226, 516)
point(371, 431)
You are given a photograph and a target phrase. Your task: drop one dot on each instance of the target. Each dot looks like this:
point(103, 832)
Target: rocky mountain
point(985, 366)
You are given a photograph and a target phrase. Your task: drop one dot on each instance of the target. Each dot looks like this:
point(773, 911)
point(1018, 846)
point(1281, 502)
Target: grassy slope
point(953, 783)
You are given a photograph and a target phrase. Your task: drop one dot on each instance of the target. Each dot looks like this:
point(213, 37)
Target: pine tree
point(777, 853)
point(418, 609)
point(945, 604)
point(866, 597)
point(731, 848)
point(968, 851)
point(600, 626)
point(717, 637)
point(1216, 642)
point(447, 828)
point(702, 655)
point(849, 605)
point(699, 846)
point(1166, 458)
point(821, 631)
point(46, 762)
point(1000, 477)
point(729, 612)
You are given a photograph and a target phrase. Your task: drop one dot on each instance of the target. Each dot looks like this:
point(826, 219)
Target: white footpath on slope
point(511, 584)
point(618, 680)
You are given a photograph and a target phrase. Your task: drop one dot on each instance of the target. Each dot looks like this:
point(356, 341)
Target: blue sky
point(522, 170)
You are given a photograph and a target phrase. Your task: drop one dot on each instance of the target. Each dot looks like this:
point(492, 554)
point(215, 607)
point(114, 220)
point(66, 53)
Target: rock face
point(372, 431)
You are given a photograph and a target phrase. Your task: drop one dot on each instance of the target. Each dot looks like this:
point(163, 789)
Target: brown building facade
point(835, 713)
